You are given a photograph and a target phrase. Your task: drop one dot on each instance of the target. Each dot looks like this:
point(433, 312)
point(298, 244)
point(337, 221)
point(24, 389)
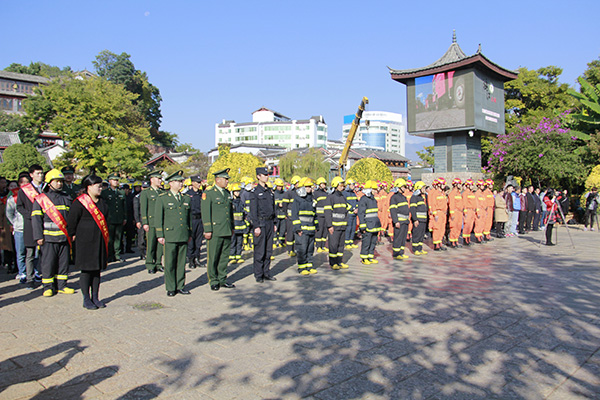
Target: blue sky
point(223, 60)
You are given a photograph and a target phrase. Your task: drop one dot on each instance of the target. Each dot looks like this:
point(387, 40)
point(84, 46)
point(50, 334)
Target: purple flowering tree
point(546, 154)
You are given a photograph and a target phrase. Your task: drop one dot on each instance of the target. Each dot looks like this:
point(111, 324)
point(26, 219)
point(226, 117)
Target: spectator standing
point(16, 221)
point(500, 214)
point(516, 205)
point(591, 207)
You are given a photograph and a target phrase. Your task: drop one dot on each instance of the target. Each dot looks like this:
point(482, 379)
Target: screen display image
point(441, 101)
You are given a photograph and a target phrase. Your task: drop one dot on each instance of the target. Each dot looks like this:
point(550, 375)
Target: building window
point(6, 104)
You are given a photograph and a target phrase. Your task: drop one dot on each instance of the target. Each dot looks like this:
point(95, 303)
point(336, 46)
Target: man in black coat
point(531, 207)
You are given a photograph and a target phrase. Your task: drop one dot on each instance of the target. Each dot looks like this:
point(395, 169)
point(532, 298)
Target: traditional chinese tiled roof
point(7, 139)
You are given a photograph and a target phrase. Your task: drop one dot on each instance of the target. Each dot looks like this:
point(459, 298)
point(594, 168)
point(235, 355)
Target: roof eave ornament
point(453, 35)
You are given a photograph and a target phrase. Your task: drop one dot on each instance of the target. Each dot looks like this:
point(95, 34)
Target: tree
point(18, 158)
point(97, 119)
point(311, 164)
point(197, 164)
point(369, 168)
point(14, 123)
point(593, 180)
point(40, 69)
point(120, 70)
point(546, 153)
point(592, 73)
point(239, 164)
point(535, 95)
point(426, 156)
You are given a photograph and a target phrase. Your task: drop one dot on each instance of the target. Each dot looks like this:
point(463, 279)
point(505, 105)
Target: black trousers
point(237, 241)
point(305, 247)
point(263, 248)
point(195, 243)
point(522, 221)
point(589, 217)
point(536, 221)
point(336, 246)
point(500, 229)
point(54, 263)
point(529, 222)
point(399, 240)
point(128, 235)
point(549, 233)
point(351, 228)
point(418, 233)
point(367, 249)
point(321, 235)
point(280, 223)
point(289, 234)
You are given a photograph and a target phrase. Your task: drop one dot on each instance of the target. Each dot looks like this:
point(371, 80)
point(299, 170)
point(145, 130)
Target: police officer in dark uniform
point(129, 232)
point(70, 188)
point(197, 228)
point(262, 216)
point(117, 216)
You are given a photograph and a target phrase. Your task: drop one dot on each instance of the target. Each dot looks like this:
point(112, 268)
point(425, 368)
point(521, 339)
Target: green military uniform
point(117, 214)
point(72, 190)
point(217, 217)
point(174, 224)
point(154, 250)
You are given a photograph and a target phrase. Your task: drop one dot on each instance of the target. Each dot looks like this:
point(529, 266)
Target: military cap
point(175, 176)
point(125, 186)
point(114, 176)
point(262, 171)
point(67, 170)
point(196, 178)
point(224, 173)
point(155, 174)
point(145, 184)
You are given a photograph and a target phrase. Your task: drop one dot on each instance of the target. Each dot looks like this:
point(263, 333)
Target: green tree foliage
point(311, 164)
point(426, 156)
point(239, 164)
point(14, 123)
point(197, 164)
point(589, 111)
point(592, 73)
point(593, 179)
point(369, 168)
point(18, 158)
point(104, 130)
point(40, 69)
point(119, 69)
point(535, 95)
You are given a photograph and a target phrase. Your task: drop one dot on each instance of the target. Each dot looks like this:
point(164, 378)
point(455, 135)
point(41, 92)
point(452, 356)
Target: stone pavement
point(504, 320)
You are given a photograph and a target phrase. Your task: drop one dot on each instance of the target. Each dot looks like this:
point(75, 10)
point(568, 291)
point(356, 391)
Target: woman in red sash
point(86, 224)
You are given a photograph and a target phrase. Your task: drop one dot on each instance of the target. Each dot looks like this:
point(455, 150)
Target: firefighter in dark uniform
point(70, 188)
point(116, 218)
point(304, 224)
point(240, 228)
point(154, 250)
point(288, 201)
point(400, 212)
point(245, 194)
point(195, 244)
point(262, 218)
point(280, 212)
point(418, 216)
point(336, 219)
point(174, 229)
point(320, 196)
point(369, 223)
point(217, 217)
point(54, 244)
point(352, 201)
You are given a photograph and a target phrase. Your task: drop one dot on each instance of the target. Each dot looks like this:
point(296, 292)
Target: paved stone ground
point(508, 320)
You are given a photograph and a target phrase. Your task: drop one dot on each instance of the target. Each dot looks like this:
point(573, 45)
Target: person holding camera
point(552, 217)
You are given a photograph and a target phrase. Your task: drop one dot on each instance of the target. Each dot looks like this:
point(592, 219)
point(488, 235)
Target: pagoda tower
point(455, 101)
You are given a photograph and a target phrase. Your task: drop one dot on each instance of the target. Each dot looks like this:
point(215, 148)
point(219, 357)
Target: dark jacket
point(303, 215)
point(262, 207)
point(399, 209)
point(367, 214)
point(42, 225)
point(336, 211)
point(90, 249)
point(24, 207)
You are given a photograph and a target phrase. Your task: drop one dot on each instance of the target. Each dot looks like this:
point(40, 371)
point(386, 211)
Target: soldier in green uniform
point(154, 250)
point(116, 218)
point(174, 229)
point(217, 216)
point(70, 188)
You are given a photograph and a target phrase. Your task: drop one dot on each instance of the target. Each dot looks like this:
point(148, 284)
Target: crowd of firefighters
point(310, 216)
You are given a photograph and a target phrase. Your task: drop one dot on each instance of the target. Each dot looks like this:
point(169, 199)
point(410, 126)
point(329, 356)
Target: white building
point(271, 128)
point(385, 131)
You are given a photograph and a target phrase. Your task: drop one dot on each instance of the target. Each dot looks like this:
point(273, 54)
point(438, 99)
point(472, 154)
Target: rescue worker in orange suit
point(382, 209)
point(481, 213)
point(438, 208)
point(470, 208)
point(400, 215)
point(455, 207)
point(489, 210)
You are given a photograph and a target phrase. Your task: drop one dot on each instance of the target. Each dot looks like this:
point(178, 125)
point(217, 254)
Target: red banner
point(50, 210)
point(30, 191)
point(89, 205)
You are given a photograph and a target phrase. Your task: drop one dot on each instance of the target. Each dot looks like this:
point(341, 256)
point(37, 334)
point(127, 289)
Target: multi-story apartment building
point(269, 127)
point(384, 131)
point(14, 88)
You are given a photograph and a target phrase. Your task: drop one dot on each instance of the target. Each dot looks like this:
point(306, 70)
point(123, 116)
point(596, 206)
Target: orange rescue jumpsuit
point(455, 205)
point(438, 208)
point(480, 215)
point(489, 216)
point(470, 204)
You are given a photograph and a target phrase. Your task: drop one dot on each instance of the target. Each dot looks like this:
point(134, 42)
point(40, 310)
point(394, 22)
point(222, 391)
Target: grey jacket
point(13, 216)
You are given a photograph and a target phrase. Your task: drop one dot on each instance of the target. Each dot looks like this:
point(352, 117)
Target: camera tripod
point(562, 215)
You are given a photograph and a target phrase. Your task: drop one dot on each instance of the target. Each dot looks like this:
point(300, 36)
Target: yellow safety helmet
point(370, 184)
point(246, 180)
point(279, 182)
point(269, 185)
point(400, 182)
point(306, 181)
point(295, 179)
point(336, 181)
point(78, 182)
point(321, 180)
point(350, 181)
point(235, 187)
point(137, 183)
point(54, 174)
point(419, 185)
point(187, 182)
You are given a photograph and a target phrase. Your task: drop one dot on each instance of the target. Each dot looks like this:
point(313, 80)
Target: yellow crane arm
point(351, 134)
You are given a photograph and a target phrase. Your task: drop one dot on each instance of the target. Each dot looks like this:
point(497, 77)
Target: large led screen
point(441, 102)
point(489, 103)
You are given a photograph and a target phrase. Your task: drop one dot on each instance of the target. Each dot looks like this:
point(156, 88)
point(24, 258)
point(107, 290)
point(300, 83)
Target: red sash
point(50, 210)
point(15, 192)
point(89, 205)
point(30, 191)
